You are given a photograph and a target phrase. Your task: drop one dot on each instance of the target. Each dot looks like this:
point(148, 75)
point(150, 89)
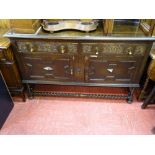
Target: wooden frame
point(108, 26)
point(148, 28)
point(27, 26)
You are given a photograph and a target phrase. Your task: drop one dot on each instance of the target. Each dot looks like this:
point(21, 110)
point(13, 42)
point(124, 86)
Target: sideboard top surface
point(120, 33)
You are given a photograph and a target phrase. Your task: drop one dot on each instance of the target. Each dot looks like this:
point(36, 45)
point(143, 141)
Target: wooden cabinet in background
point(148, 92)
point(24, 25)
point(9, 68)
point(148, 26)
point(108, 26)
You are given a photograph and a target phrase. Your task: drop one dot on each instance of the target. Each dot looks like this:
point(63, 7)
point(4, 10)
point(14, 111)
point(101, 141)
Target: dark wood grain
point(10, 72)
point(81, 62)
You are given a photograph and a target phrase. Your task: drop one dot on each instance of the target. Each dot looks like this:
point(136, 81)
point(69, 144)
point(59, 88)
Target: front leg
point(143, 92)
point(29, 91)
point(130, 95)
point(148, 99)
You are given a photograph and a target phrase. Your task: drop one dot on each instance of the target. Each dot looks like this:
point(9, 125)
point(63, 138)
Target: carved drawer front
point(111, 71)
point(130, 49)
point(44, 46)
point(55, 68)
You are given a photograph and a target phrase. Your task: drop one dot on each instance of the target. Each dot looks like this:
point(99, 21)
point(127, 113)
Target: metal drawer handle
point(48, 68)
point(71, 71)
point(130, 53)
point(110, 70)
point(97, 51)
point(129, 50)
point(62, 49)
point(32, 49)
point(93, 56)
point(28, 64)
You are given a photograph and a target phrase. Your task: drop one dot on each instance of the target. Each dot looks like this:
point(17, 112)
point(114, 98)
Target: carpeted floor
point(79, 116)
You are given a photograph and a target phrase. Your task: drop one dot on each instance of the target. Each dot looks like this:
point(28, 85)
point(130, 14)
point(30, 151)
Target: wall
point(4, 23)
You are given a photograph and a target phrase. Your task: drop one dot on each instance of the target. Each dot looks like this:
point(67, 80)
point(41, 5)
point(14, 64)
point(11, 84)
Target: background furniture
point(24, 25)
point(9, 68)
point(148, 26)
point(6, 103)
point(113, 25)
point(148, 91)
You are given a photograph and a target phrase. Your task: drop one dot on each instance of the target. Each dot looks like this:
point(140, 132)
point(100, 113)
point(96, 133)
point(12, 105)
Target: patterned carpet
point(79, 116)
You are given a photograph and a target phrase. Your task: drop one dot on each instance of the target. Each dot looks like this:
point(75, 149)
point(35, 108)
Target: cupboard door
point(48, 67)
point(117, 71)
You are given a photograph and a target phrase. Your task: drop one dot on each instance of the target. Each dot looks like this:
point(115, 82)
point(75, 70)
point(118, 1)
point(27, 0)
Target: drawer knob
point(97, 51)
point(32, 49)
point(130, 53)
point(62, 49)
point(71, 71)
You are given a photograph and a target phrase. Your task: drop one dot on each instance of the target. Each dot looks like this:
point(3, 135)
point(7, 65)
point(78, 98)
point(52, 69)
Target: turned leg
point(148, 99)
point(130, 95)
point(143, 92)
point(23, 96)
point(29, 91)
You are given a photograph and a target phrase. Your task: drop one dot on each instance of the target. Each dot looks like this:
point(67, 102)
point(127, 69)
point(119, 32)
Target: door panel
point(48, 67)
point(99, 70)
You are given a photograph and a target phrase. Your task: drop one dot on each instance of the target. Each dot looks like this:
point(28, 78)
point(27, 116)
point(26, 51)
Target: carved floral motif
point(114, 48)
point(53, 47)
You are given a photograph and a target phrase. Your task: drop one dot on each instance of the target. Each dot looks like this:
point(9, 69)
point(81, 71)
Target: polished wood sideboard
point(81, 62)
point(81, 58)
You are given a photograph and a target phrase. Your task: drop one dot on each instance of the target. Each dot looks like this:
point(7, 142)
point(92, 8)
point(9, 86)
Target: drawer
point(114, 49)
point(46, 46)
